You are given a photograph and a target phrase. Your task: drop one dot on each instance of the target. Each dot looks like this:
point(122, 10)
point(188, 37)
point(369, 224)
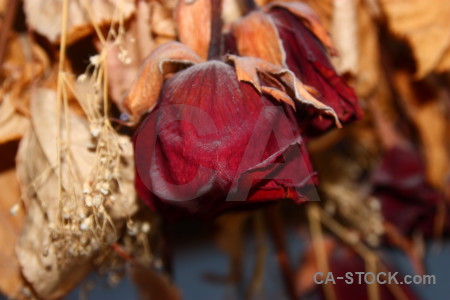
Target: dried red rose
point(345, 261)
point(407, 201)
point(290, 34)
point(201, 132)
point(222, 135)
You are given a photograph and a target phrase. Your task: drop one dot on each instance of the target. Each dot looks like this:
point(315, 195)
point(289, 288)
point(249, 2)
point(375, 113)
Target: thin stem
point(346, 235)
point(167, 251)
point(277, 233)
point(215, 43)
point(256, 285)
point(60, 100)
point(319, 247)
point(373, 290)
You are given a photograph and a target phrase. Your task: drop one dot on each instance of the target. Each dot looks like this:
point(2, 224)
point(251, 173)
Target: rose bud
point(290, 35)
point(222, 135)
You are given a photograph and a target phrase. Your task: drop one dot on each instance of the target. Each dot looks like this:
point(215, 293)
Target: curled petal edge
point(247, 69)
point(144, 93)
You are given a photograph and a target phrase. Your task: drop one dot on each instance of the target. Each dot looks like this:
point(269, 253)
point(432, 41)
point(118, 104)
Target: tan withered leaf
point(344, 30)
point(145, 90)
point(39, 183)
point(10, 224)
point(310, 18)
point(248, 69)
point(161, 20)
point(37, 256)
point(193, 19)
point(431, 122)
point(257, 36)
point(54, 254)
point(444, 63)
point(24, 63)
point(426, 27)
point(354, 32)
point(45, 16)
point(152, 285)
point(232, 10)
point(369, 66)
point(12, 124)
point(126, 54)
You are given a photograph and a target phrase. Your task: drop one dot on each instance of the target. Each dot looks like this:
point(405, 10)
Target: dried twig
point(318, 242)
point(277, 233)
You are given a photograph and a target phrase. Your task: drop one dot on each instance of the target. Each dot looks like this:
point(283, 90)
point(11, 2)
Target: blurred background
point(73, 226)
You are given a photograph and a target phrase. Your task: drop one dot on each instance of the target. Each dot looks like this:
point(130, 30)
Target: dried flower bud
point(220, 134)
point(213, 136)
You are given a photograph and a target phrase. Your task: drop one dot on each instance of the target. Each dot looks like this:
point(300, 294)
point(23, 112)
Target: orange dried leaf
point(426, 27)
point(11, 222)
point(144, 93)
point(247, 69)
point(279, 95)
point(257, 36)
point(193, 20)
point(432, 127)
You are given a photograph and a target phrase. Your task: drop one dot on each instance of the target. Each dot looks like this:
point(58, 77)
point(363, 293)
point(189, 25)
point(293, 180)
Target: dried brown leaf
point(162, 22)
point(54, 255)
point(369, 66)
point(444, 63)
point(125, 56)
point(426, 27)
point(12, 124)
point(45, 16)
point(145, 91)
point(11, 222)
point(24, 63)
point(344, 30)
point(193, 20)
point(431, 122)
point(354, 31)
point(279, 95)
point(36, 252)
point(257, 36)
